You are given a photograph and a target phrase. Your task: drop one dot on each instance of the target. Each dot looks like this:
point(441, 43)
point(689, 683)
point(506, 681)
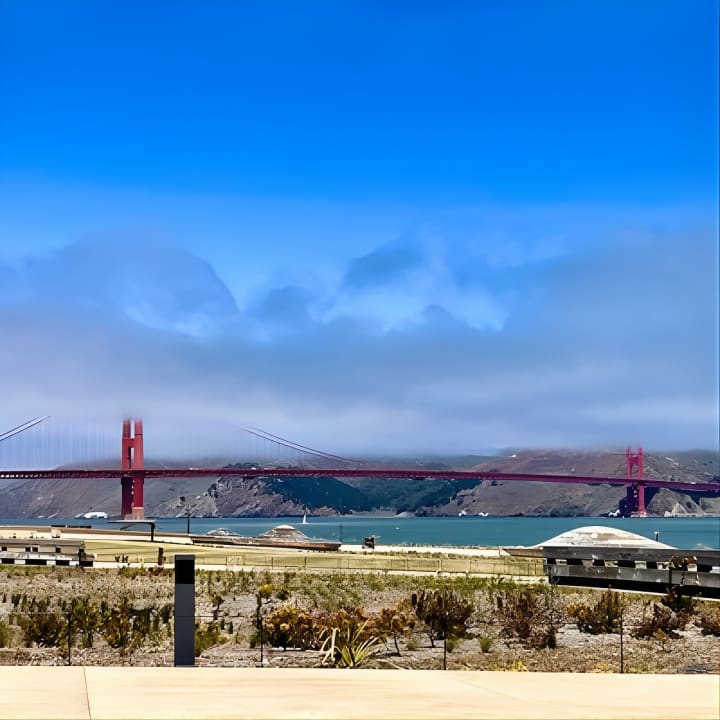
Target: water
point(686, 533)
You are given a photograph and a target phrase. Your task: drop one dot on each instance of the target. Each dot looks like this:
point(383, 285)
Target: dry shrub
point(393, 622)
point(444, 613)
point(207, 636)
point(603, 617)
point(528, 615)
point(709, 621)
point(288, 626)
point(663, 623)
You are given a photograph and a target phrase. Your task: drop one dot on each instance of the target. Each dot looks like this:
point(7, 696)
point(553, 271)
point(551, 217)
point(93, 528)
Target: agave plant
point(345, 648)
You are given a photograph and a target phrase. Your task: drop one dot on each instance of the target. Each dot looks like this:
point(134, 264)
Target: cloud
point(611, 343)
point(148, 282)
point(386, 264)
point(402, 282)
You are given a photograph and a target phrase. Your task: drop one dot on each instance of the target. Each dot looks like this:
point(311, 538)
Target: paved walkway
point(185, 693)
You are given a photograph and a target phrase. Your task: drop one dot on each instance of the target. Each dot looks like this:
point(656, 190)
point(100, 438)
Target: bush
point(85, 620)
point(127, 628)
point(527, 614)
point(444, 613)
point(451, 643)
point(486, 643)
point(393, 622)
point(117, 627)
point(709, 621)
point(207, 637)
point(663, 623)
point(349, 647)
point(682, 605)
point(349, 621)
point(603, 617)
point(4, 634)
point(45, 628)
point(289, 626)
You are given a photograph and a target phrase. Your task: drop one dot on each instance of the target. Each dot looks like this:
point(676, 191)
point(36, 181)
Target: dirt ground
point(229, 600)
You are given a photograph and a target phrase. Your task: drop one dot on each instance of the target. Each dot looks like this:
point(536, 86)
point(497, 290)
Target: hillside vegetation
point(273, 497)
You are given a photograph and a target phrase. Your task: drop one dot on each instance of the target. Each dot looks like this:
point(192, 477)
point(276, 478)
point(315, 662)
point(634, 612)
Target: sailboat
point(304, 520)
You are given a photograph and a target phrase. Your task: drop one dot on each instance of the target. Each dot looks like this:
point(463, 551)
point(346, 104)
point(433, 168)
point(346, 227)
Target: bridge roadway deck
point(148, 473)
point(99, 693)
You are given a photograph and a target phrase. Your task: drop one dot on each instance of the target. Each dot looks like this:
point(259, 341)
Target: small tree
point(603, 617)
point(444, 613)
point(528, 615)
point(393, 622)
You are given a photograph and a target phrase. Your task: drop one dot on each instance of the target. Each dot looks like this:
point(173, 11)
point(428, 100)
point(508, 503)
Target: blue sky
point(364, 225)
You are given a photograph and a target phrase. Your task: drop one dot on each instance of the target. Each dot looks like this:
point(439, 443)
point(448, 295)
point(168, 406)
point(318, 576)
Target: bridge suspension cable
point(297, 446)
point(25, 426)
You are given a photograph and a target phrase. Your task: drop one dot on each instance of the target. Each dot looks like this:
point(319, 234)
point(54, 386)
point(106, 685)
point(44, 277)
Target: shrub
point(84, 620)
point(43, 627)
point(486, 643)
point(444, 613)
point(663, 623)
point(349, 647)
point(393, 622)
point(348, 620)
point(682, 605)
point(603, 617)
point(709, 621)
point(206, 637)
point(126, 628)
point(117, 627)
point(527, 614)
point(4, 634)
point(289, 626)
point(166, 612)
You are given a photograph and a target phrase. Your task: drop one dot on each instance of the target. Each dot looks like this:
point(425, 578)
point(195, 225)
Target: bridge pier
point(635, 500)
point(635, 496)
point(133, 462)
point(126, 492)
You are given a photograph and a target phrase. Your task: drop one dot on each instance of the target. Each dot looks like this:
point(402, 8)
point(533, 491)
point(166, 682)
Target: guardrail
point(693, 572)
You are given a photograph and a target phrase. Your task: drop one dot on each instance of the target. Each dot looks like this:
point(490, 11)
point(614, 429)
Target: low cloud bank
point(421, 345)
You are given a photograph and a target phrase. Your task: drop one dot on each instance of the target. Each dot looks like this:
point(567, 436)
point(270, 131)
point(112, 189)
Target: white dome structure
point(600, 535)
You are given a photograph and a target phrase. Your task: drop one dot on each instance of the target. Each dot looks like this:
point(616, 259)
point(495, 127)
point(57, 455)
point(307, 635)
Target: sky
point(371, 227)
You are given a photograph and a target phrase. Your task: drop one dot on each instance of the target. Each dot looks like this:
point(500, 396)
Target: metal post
point(184, 610)
point(445, 627)
point(69, 635)
point(622, 645)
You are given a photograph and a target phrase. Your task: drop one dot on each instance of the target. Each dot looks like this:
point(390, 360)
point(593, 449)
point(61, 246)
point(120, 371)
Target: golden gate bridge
point(88, 457)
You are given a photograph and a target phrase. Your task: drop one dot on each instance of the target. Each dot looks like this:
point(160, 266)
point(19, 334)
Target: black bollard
point(184, 610)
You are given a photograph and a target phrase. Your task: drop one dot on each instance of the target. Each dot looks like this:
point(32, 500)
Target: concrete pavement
point(106, 693)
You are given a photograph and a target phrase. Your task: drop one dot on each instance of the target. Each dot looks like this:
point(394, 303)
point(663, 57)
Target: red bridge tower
point(133, 461)
point(635, 497)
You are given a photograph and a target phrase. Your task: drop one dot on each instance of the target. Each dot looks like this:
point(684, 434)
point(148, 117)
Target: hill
point(270, 497)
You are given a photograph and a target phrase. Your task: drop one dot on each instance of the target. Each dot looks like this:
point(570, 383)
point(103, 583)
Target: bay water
point(685, 533)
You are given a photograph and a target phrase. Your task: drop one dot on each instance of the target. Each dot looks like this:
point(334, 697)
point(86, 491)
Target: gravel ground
point(232, 598)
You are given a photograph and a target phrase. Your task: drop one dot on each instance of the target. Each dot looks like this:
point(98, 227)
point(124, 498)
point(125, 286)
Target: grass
point(146, 553)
